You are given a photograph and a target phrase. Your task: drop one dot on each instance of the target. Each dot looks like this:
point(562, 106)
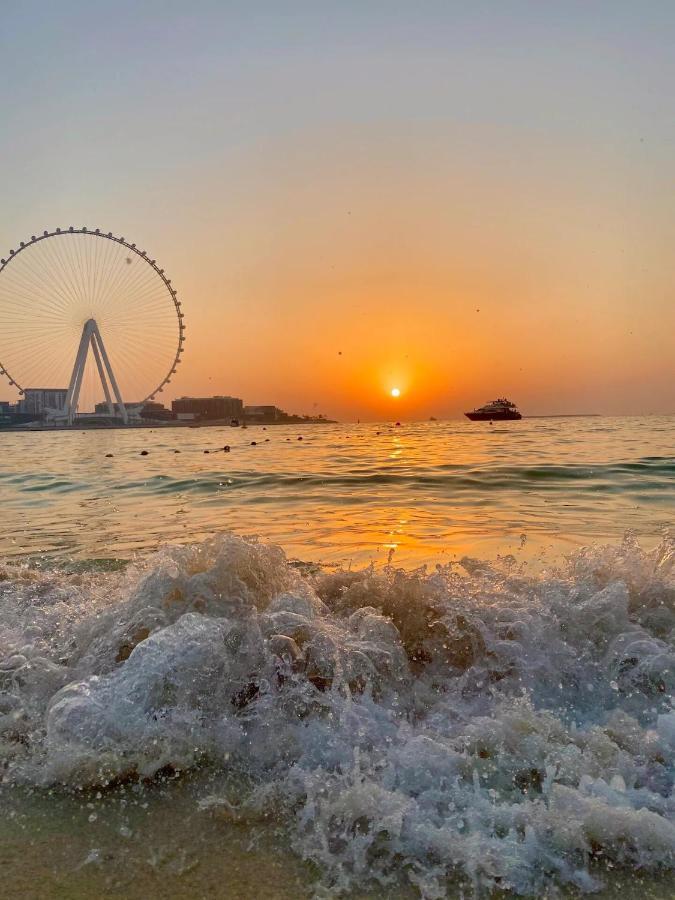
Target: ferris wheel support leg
point(73, 394)
point(101, 375)
point(113, 382)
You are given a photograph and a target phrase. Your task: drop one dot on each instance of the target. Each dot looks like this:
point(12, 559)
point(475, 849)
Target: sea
point(430, 660)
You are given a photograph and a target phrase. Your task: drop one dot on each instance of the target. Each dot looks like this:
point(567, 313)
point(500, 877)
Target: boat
point(496, 411)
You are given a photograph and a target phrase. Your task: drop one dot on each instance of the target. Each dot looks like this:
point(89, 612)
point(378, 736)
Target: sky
point(460, 200)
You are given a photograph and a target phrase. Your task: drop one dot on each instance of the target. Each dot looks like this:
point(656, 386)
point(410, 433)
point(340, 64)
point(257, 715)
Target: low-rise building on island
point(264, 414)
point(157, 412)
point(36, 401)
point(208, 408)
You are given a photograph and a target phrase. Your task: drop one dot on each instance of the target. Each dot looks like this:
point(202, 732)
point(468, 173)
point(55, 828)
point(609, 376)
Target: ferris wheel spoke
point(136, 352)
point(55, 290)
point(134, 332)
point(131, 332)
point(130, 385)
point(115, 280)
point(24, 279)
point(24, 296)
point(151, 306)
point(141, 278)
point(34, 272)
point(18, 342)
point(139, 350)
point(80, 268)
point(77, 269)
point(108, 300)
point(66, 286)
point(65, 264)
point(127, 283)
point(153, 362)
point(44, 359)
point(19, 304)
point(57, 282)
point(131, 274)
point(148, 288)
point(105, 247)
point(114, 274)
point(49, 364)
point(123, 333)
point(89, 249)
point(17, 327)
point(96, 269)
point(149, 291)
point(19, 309)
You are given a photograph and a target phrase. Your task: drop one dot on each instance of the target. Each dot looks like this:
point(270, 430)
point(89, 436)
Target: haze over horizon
point(461, 203)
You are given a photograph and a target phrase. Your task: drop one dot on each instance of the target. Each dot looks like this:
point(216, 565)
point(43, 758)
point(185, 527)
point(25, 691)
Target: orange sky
point(459, 203)
point(440, 279)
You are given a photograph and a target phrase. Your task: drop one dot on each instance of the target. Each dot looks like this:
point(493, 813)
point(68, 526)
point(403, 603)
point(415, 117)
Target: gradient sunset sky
point(462, 200)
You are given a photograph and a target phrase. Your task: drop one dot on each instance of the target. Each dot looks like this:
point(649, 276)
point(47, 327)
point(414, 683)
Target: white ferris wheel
point(89, 317)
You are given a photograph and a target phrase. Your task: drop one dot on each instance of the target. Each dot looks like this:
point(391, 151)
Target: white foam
point(411, 726)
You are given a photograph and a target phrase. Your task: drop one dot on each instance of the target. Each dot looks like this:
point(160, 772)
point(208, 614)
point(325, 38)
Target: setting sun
point(395, 392)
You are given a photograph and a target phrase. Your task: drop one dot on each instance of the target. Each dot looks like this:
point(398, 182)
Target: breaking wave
point(412, 727)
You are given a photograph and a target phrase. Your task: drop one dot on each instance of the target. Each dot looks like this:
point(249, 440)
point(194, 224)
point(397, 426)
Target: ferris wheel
point(89, 317)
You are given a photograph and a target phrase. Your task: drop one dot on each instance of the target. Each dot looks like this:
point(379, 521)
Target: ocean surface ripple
point(428, 491)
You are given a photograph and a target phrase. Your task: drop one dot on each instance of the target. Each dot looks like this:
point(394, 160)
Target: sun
point(395, 392)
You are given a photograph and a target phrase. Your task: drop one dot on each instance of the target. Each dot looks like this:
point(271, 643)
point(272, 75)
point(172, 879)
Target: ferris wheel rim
point(109, 236)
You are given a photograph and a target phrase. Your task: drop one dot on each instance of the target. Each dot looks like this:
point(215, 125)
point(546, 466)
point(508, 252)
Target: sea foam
point(477, 721)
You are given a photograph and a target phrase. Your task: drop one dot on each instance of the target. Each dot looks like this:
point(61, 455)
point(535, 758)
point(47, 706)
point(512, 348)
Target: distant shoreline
point(567, 416)
point(214, 423)
point(223, 423)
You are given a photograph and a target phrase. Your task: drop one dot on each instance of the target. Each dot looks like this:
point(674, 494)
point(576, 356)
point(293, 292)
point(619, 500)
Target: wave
point(655, 474)
point(408, 725)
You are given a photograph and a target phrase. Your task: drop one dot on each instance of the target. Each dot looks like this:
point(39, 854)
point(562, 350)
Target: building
point(101, 409)
point(208, 408)
point(157, 412)
point(148, 410)
point(36, 401)
point(265, 414)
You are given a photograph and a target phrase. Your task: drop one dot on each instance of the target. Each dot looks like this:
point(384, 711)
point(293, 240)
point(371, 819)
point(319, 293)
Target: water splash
point(411, 726)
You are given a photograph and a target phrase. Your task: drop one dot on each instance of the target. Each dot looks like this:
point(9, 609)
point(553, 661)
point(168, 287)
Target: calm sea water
point(188, 712)
point(428, 492)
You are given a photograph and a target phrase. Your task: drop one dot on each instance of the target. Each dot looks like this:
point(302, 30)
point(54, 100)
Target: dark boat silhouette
point(496, 411)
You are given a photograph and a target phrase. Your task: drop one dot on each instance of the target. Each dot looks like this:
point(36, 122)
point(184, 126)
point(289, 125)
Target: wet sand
point(141, 841)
